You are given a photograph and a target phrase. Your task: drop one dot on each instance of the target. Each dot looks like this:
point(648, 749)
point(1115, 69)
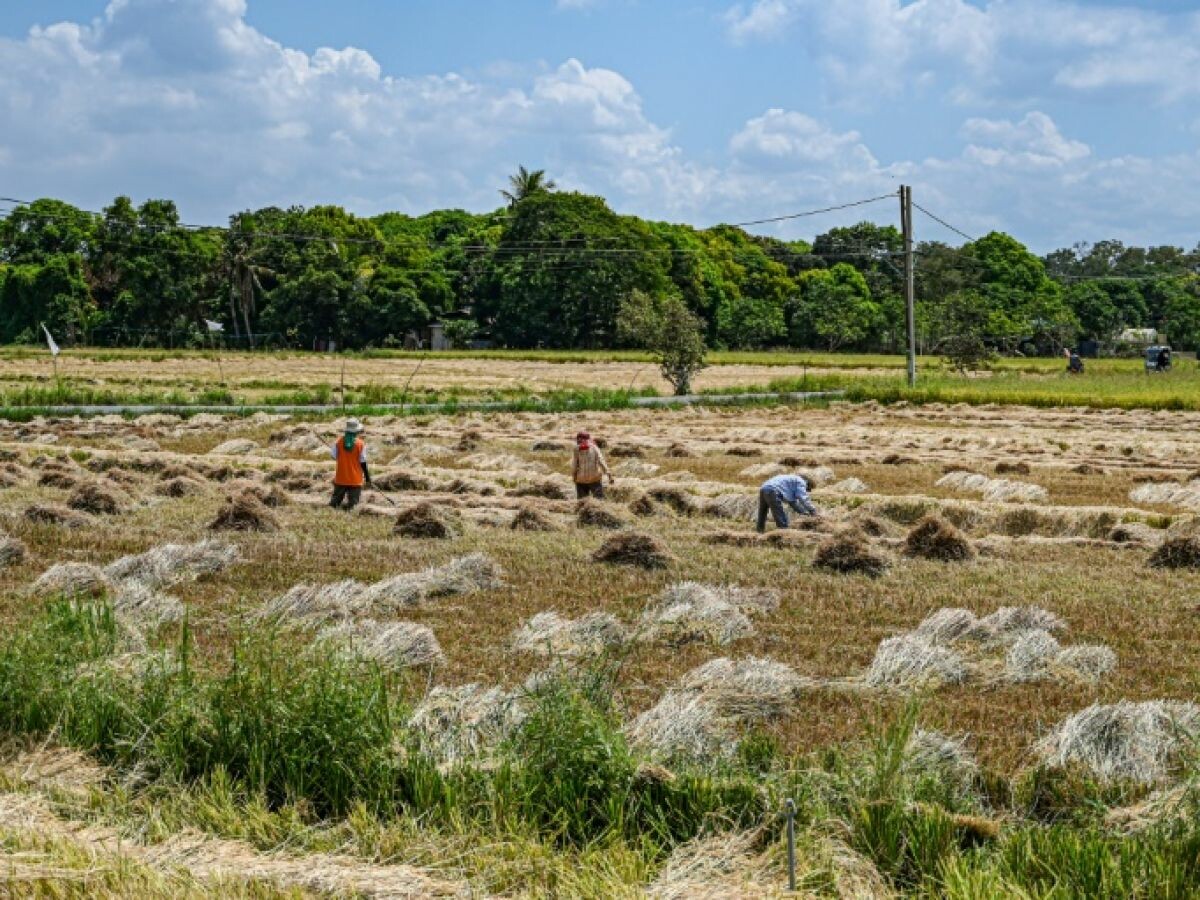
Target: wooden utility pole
point(909, 286)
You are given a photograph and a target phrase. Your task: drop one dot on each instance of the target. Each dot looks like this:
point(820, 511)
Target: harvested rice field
point(473, 686)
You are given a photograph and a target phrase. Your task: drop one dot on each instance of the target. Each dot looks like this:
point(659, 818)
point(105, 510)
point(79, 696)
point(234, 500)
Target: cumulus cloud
point(126, 104)
point(882, 47)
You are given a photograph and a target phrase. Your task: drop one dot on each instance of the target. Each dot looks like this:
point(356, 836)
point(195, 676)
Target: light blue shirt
point(792, 490)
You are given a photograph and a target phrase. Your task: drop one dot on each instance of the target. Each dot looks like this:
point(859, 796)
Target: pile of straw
point(632, 548)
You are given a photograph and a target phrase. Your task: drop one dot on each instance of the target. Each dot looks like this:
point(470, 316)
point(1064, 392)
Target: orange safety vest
point(349, 469)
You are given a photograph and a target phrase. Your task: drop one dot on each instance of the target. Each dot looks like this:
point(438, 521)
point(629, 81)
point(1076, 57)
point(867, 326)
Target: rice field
point(28, 378)
point(974, 672)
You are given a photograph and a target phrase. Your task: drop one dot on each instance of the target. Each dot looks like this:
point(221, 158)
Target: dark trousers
point(350, 494)
point(595, 489)
point(770, 500)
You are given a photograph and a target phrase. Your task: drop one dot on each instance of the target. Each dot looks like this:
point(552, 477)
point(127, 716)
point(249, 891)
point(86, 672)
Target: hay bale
point(174, 470)
point(1089, 662)
point(908, 662)
point(143, 604)
point(895, 459)
point(685, 727)
point(1011, 468)
point(396, 646)
point(59, 478)
point(762, 471)
point(462, 575)
point(530, 518)
point(935, 538)
point(235, 447)
point(627, 451)
point(743, 451)
point(170, 564)
point(681, 502)
point(635, 468)
point(1030, 656)
point(679, 451)
point(12, 551)
point(742, 507)
point(1146, 742)
point(849, 486)
point(469, 440)
point(1010, 622)
point(848, 552)
point(461, 723)
point(429, 520)
point(591, 513)
point(870, 525)
point(549, 489)
point(54, 514)
point(1182, 552)
point(1087, 469)
point(180, 487)
point(244, 512)
point(592, 635)
point(72, 580)
point(402, 480)
point(268, 495)
point(950, 625)
point(746, 690)
point(644, 507)
point(689, 611)
point(549, 447)
point(632, 548)
point(96, 498)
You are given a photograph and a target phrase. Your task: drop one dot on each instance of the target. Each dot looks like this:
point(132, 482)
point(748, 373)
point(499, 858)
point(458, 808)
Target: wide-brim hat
point(353, 426)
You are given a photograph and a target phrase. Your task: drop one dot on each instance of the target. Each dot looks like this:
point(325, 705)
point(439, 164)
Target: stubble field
point(1058, 510)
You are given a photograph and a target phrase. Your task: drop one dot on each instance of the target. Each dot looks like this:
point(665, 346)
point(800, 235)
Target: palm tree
point(244, 283)
point(525, 183)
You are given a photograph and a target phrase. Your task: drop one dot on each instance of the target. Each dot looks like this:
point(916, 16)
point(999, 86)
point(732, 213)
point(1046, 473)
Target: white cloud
point(108, 107)
point(872, 48)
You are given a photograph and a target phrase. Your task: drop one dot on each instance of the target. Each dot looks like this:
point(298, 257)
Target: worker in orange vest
point(350, 454)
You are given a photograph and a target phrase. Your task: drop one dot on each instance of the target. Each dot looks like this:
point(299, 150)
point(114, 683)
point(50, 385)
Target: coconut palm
point(525, 183)
point(244, 276)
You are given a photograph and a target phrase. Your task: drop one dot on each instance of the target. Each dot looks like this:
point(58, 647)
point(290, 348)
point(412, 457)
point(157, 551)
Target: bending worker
point(588, 468)
point(791, 490)
point(350, 454)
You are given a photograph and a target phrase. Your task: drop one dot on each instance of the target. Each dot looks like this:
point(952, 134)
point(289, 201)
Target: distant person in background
point(781, 491)
point(1164, 359)
point(350, 454)
point(588, 468)
point(1074, 363)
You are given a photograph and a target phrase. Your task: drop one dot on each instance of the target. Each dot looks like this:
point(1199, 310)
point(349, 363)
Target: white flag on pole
point(54, 351)
point(214, 326)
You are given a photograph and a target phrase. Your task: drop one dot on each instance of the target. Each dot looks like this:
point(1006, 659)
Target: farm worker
point(350, 454)
point(783, 489)
point(588, 468)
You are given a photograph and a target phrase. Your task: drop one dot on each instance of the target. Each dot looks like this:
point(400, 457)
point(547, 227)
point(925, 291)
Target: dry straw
point(936, 539)
point(429, 520)
point(849, 553)
point(244, 511)
point(1145, 742)
point(590, 513)
point(632, 548)
point(454, 724)
point(591, 635)
point(394, 645)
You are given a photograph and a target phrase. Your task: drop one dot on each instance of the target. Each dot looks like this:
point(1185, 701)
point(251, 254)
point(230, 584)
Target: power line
point(944, 223)
point(813, 212)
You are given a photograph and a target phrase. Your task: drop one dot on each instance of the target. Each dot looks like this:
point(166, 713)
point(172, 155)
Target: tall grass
point(296, 729)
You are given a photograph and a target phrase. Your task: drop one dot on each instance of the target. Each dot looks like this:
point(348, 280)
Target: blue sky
point(1056, 121)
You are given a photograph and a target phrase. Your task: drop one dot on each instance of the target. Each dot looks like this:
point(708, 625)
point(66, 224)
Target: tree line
point(555, 269)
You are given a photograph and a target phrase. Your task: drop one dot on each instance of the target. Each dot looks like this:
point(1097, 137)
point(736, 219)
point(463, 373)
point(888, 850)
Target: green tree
point(525, 184)
point(836, 308)
point(967, 323)
point(672, 333)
